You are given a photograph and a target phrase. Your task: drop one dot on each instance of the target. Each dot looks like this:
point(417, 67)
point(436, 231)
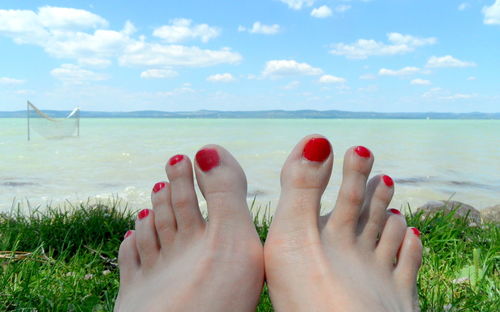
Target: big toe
point(224, 186)
point(304, 178)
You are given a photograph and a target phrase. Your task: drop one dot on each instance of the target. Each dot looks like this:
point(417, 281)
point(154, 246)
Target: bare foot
point(360, 257)
point(175, 260)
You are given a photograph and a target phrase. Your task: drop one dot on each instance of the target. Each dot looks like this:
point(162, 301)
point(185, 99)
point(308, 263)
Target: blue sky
point(386, 56)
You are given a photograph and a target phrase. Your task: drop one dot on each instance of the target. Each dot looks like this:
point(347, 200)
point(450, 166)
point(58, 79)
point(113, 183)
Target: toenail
point(395, 211)
point(158, 186)
point(388, 180)
point(415, 231)
point(143, 214)
point(362, 151)
point(317, 149)
point(129, 232)
point(207, 159)
point(175, 159)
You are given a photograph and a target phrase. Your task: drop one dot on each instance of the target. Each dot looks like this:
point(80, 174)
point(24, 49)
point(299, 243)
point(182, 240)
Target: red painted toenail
point(158, 186)
point(388, 180)
point(317, 149)
point(207, 159)
point(362, 151)
point(143, 214)
point(415, 231)
point(175, 159)
point(129, 232)
point(395, 211)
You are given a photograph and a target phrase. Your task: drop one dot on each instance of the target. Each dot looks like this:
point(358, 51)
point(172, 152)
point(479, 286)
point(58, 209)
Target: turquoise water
point(429, 159)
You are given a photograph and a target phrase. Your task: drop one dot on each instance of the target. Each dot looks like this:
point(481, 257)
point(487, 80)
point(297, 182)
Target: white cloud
point(400, 72)
point(226, 77)
point(441, 94)
point(181, 29)
point(73, 74)
point(321, 12)
point(463, 6)
point(457, 96)
point(97, 47)
point(398, 44)
point(64, 18)
point(298, 4)
point(292, 85)
point(471, 78)
point(151, 54)
point(342, 8)
point(259, 28)
point(492, 14)
point(420, 82)
point(447, 61)
point(331, 79)
point(367, 77)
point(11, 81)
point(158, 73)
point(96, 62)
point(277, 68)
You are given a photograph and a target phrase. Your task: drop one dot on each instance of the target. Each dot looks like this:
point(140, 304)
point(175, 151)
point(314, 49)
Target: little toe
point(409, 259)
point(304, 177)
point(224, 186)
point(146, 238)
point(391, 238)
point(358, 162)
point(164, 214)
point(183, 196)
point(128, 258)
point(373, 216)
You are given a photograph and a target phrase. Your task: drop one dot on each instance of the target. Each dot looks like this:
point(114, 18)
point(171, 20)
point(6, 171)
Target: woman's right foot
point(360, 257)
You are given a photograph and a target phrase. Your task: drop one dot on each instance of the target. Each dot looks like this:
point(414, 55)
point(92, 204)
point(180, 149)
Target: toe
point(183, 196)
point(128, 258)
point(146, 238)
point(358, 162)
point(304, 178)
point(224, 186)
point(379, 193)
point(391, 239)
point(164, 214)
point(410, 258)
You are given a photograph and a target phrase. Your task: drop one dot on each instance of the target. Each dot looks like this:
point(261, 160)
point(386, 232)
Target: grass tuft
point(69, 259)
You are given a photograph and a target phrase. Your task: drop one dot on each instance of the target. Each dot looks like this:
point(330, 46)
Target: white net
point(52, 128)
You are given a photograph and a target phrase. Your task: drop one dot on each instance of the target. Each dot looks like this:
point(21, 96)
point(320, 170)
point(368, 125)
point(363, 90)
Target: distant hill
point(262, 114)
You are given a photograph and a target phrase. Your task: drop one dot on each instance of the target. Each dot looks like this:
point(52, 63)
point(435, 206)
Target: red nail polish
point(207, 159)
point(388, 180)
point(175, 159)
point(158, 186)
point(129, 232)
point(415, 231)
point(362, 151)
point(143, 214)
point(395, 211)
point(317, 149)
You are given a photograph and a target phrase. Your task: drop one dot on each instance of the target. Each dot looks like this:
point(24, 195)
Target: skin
point(177, 261)
point(336, 262)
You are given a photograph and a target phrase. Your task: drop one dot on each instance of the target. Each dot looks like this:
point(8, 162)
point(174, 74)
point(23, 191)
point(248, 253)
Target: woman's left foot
point(175, 260)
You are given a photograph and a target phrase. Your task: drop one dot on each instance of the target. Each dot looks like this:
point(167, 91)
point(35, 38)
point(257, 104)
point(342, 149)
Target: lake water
point(428, 159)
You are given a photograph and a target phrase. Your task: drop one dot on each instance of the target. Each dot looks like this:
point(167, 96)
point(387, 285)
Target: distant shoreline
point(268, 114)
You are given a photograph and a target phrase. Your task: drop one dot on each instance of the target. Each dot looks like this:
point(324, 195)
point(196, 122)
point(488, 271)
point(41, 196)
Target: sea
point(121, 159)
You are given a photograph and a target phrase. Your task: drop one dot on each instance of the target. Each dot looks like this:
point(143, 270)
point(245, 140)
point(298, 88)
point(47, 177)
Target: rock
point(447, 206)
point(491, 214)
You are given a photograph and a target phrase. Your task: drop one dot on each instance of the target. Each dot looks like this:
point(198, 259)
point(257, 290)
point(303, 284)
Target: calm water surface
point(429, 159)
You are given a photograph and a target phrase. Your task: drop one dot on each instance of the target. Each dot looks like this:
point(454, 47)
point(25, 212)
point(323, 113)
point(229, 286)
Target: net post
point(78, 122)
point(28, 117)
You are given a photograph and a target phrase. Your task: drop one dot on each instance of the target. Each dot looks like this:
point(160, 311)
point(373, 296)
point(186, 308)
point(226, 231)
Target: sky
point(357, 55)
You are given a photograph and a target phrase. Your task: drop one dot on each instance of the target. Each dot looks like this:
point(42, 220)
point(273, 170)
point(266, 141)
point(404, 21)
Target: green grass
point(73, 261)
